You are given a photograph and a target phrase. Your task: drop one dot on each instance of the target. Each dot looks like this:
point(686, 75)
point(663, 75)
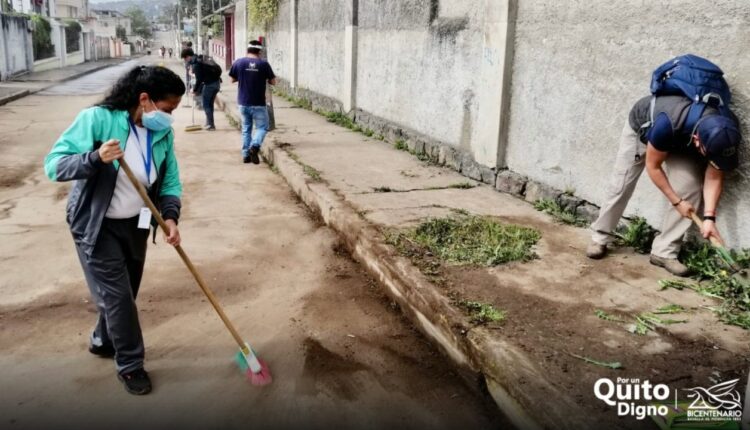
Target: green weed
point(312, 172)
point(232, 122)
point(608, 365)
point(342, 120)
point(469, 240)
point(557, 212)
point(383, 189)
point(669, 309)
point(368, 132)
point(401, 145)
point(713, 279)
point(482, 313)
point(638, 235)
point(605, 316)
point(648, 321)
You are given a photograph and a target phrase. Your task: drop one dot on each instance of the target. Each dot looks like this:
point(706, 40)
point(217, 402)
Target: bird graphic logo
point(723, 395)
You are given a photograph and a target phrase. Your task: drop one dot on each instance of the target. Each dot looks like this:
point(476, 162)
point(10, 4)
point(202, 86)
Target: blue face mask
point(156, 120)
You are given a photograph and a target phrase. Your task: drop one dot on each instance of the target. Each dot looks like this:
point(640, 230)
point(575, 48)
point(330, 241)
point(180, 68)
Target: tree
point(121, 33)
point(138, 21)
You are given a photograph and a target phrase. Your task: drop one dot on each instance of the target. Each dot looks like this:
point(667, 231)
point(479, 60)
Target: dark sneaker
point(246, 159)
point(104, 351)
point(136, 382)
point(254, 150)
point(672, 265)
point(209, 127)
point(596, 251)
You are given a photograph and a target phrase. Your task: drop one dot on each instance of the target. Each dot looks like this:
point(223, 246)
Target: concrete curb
point(24, 93)
point(519, 388)
point(14, 96)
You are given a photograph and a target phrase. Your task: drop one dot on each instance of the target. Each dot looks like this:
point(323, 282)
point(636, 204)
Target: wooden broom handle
point(198, 278)
point(697, 220)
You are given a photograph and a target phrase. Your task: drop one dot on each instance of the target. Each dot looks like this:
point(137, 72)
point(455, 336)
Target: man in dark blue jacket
point(695, 165)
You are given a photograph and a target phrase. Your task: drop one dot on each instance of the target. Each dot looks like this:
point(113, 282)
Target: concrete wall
point(280, 40)
point(320, 51)
point(240, 29)
point(580, 65)
point(16, 51)
point(435, 67)
point(447, 59)
point(540, 87)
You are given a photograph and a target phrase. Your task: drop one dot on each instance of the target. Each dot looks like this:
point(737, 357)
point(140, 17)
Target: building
point(105, 22)
point(41, 7)
point(72, 9)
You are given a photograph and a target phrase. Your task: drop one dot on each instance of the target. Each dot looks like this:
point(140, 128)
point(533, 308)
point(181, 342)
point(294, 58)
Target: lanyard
point(149, 150)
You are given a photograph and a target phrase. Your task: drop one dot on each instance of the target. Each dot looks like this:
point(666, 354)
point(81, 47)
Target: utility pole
point(179, 21)
point(199, 51)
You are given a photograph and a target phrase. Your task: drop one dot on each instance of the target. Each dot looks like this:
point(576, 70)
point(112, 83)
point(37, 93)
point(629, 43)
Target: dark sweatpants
point(113, 273)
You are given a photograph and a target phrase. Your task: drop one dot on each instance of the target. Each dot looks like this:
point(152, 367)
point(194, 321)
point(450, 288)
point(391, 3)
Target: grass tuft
point(312, 172)
point(401, 145)
point(469, 240)
point(462, 186)
point(560, 214)
point(638, 235)
point(343, 120)
point(605, 316)
point(482, 313)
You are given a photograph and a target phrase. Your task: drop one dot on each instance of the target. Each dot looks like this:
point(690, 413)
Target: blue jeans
point(209, 95)
point(253, 115)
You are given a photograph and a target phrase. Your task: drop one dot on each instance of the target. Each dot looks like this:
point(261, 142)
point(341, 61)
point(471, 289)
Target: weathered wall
point(580, 65)
point(16, 52)
point(279, 41)
point(320, 51)
point(421, 64)
point(431, 66)
point(240, 29)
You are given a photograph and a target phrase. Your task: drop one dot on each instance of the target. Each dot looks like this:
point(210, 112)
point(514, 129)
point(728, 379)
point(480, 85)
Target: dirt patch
point(551, 332)
point(335, 372)
point(13, 177)
point(379, 340)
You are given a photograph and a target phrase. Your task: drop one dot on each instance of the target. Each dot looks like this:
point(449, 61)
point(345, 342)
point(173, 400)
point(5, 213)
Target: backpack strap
point(695, 113)
point(651, 107)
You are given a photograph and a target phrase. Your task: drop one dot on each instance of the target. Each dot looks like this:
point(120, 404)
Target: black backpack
point(213, 71)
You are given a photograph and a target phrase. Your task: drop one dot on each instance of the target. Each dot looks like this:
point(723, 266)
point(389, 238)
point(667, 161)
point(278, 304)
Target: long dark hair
point(159, 82)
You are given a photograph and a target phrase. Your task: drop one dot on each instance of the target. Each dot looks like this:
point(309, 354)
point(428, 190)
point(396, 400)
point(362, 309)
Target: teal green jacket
point(75, 157)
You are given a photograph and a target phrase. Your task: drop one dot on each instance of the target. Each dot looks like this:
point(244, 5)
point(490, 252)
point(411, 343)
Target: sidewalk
point(31, 83)
point(533, 361)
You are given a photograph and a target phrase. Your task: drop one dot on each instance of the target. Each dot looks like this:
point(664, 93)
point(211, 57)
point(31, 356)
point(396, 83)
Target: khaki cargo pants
point(685, 174)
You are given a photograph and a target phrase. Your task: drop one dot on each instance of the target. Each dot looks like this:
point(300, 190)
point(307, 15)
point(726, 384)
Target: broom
point(256, 369)
point(193, 126)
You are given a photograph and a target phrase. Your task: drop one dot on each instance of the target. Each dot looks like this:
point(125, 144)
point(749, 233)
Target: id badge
point(144, 219)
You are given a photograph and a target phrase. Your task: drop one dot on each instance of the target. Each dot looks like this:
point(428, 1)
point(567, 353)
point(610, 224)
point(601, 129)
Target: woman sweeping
point(108, 219)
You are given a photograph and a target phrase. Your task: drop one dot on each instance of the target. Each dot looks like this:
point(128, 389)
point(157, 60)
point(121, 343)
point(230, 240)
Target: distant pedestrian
point(170, 52)
point(252, 73)
point(207, 82)
point(161, 51)
point(107, 217)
